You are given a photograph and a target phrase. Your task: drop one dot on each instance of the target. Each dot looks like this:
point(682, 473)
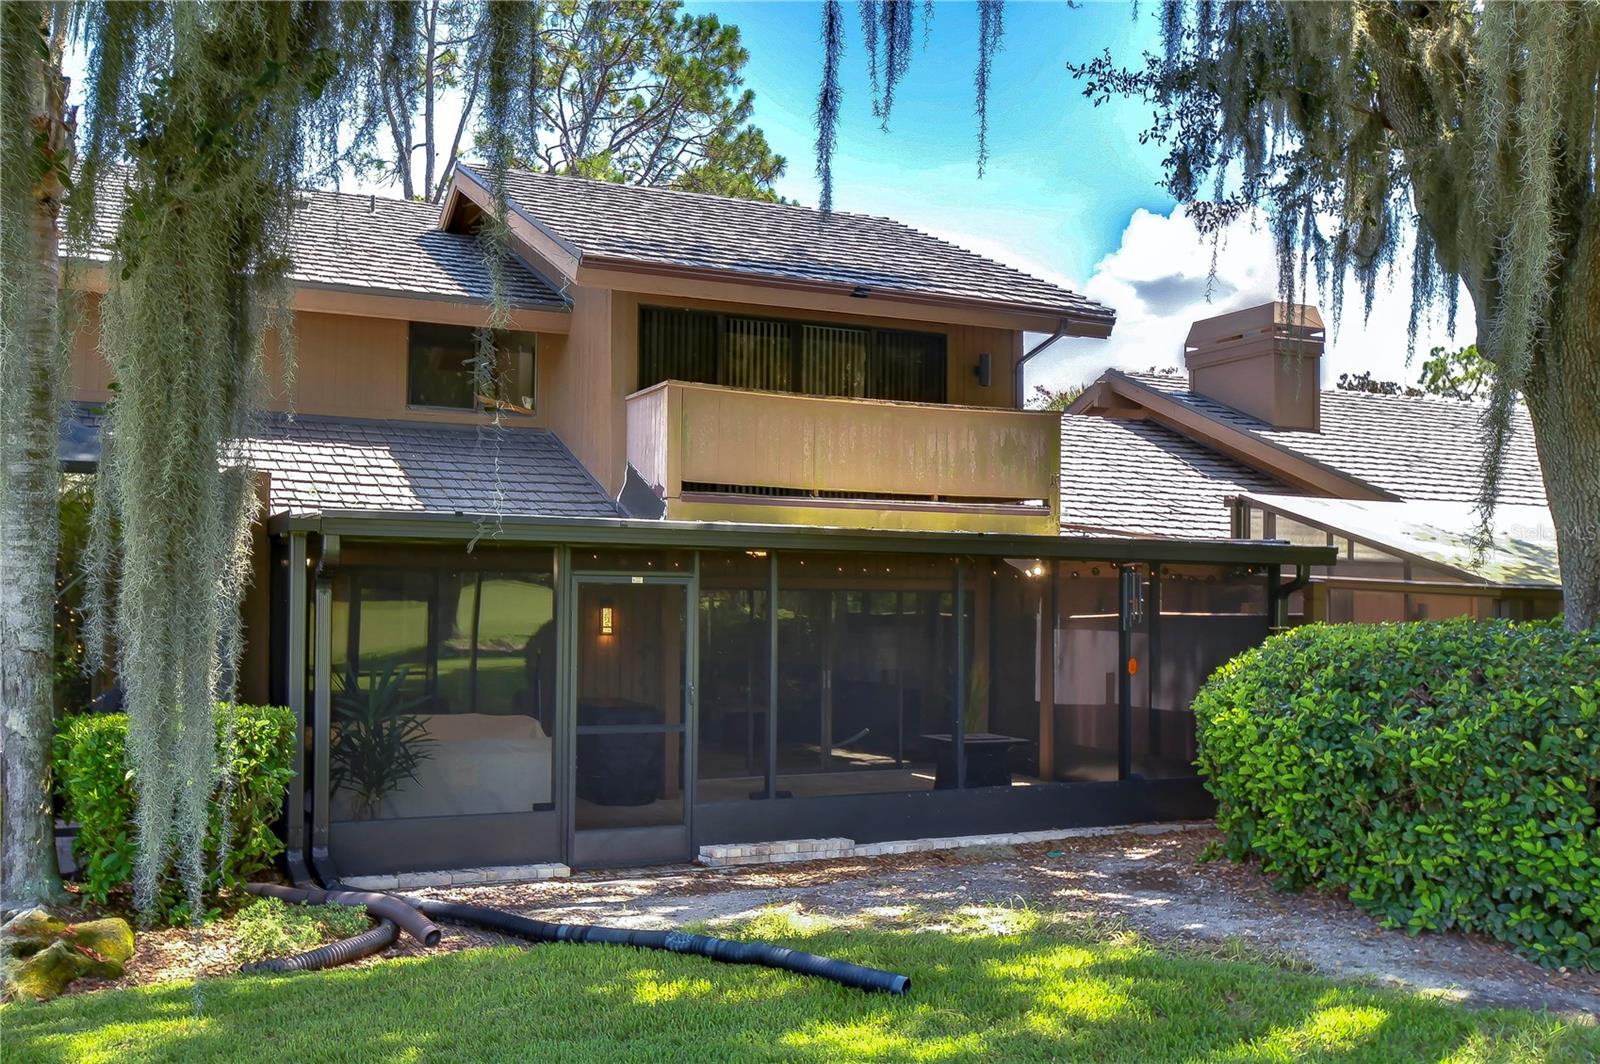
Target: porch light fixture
point(608, 619)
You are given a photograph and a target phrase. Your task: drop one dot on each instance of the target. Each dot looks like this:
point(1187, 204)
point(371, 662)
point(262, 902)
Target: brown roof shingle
point(1141, 478)
point(321, 464)
point(377, 245)
point(671, 228)
point(1413, 447)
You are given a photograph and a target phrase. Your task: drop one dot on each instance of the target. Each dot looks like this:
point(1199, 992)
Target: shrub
point(98, 786)
point(269, 928)
point(1445, 774)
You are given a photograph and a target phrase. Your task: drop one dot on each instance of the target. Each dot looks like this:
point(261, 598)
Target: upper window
point(788, 356)
point(442, 370)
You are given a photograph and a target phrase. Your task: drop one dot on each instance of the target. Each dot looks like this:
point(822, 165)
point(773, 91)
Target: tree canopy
point(635, 92)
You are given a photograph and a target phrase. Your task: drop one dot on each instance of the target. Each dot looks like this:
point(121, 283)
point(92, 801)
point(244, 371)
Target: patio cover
point(1522, 553)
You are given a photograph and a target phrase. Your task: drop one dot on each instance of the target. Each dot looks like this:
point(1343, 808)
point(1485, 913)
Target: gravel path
point(1153, 882)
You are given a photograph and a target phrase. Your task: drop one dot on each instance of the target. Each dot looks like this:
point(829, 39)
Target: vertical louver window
point(833, 361)
point(770, 354)
point(677, 345)
point(756, 353)
point(908, 366)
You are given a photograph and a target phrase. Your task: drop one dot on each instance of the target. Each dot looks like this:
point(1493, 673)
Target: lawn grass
point(1036, 990)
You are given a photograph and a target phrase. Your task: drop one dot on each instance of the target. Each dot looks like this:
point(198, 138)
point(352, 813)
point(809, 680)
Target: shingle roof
point(382, 246)
point(667, 227)
point(1415, 448)
point(1142, 478)
point(320, 464)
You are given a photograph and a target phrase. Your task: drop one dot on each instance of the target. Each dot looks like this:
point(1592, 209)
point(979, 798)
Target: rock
point(44, 954)
point(29, 932)
point(110, 940)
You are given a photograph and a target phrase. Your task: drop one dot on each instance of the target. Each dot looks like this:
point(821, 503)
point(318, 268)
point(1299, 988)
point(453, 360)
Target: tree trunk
point(1563, 384)
point(31, 381)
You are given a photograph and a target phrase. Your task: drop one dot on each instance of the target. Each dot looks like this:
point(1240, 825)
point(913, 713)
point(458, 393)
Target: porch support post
point(1047, 675)
point(1128, 584)
point(294, 686)
point(958, 738)
point(772, 674)
point(322, 709)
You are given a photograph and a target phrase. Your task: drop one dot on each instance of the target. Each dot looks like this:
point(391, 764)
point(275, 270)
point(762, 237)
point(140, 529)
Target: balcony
point(714, 453)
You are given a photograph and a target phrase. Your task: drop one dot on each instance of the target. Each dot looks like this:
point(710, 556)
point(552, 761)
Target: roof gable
point(370, 244)
point(1408, 447)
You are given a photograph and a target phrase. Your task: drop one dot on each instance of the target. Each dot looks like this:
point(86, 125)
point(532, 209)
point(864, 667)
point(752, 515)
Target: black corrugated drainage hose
point(381, 906)
point(373, 940)
point(718, 949)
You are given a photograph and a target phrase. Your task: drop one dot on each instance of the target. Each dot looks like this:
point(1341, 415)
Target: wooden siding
point(934, 466)
point(345, 366)
point(355, 366)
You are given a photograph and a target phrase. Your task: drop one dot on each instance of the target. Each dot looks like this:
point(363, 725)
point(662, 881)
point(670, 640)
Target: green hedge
point(98, 787)
point(1445, 774)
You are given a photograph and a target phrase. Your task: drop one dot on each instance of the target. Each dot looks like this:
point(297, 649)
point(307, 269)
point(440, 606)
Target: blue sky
point(1069, 193)
point(1063, 177)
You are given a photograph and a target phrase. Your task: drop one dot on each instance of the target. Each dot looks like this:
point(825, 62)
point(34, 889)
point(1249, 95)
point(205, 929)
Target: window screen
point(770, 354)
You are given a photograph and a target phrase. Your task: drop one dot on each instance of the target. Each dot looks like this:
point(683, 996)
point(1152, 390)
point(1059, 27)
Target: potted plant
point(378, 741)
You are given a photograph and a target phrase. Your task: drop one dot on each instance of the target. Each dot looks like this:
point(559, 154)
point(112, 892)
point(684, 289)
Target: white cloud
point(1159, 281)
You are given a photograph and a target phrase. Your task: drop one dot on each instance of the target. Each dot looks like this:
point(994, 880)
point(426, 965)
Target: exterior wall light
point(608, 619)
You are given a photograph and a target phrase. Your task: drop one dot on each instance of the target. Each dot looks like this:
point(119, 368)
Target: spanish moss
point(888, 28)
point(204, 122)
point(828, 97)
point(991, 26)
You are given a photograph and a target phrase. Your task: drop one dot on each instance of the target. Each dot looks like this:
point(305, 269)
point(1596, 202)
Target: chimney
point(1265, 361)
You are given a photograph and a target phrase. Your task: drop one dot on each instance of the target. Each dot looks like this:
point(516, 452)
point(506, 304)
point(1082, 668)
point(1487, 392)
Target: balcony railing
point(706, 449)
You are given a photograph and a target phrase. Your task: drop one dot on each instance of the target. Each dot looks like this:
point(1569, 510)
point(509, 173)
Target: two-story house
point(747, 540)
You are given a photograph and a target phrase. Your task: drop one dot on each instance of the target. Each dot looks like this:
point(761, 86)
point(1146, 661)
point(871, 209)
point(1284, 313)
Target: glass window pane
point(516, 383)
point(833, 361)
point(440, 366)
point(1209, 614)
point(632, 643)
point(1002, 721)
point(866, 701)
point(609, 559)
point(677, 345)
point(1300, 533)
point(733, 694)
point(1088, 660)
point(907, 366)
point(444, 686)
point(757, 353)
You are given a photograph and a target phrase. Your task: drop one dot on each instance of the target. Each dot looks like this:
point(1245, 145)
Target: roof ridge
point(668, 190)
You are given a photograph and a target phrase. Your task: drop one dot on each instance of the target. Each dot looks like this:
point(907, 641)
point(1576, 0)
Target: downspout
point(1016, 373)
point(1281, 593)
point(322, 706)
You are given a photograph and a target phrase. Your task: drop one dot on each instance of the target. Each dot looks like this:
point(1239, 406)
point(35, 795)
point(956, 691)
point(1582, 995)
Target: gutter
point(715, 535)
